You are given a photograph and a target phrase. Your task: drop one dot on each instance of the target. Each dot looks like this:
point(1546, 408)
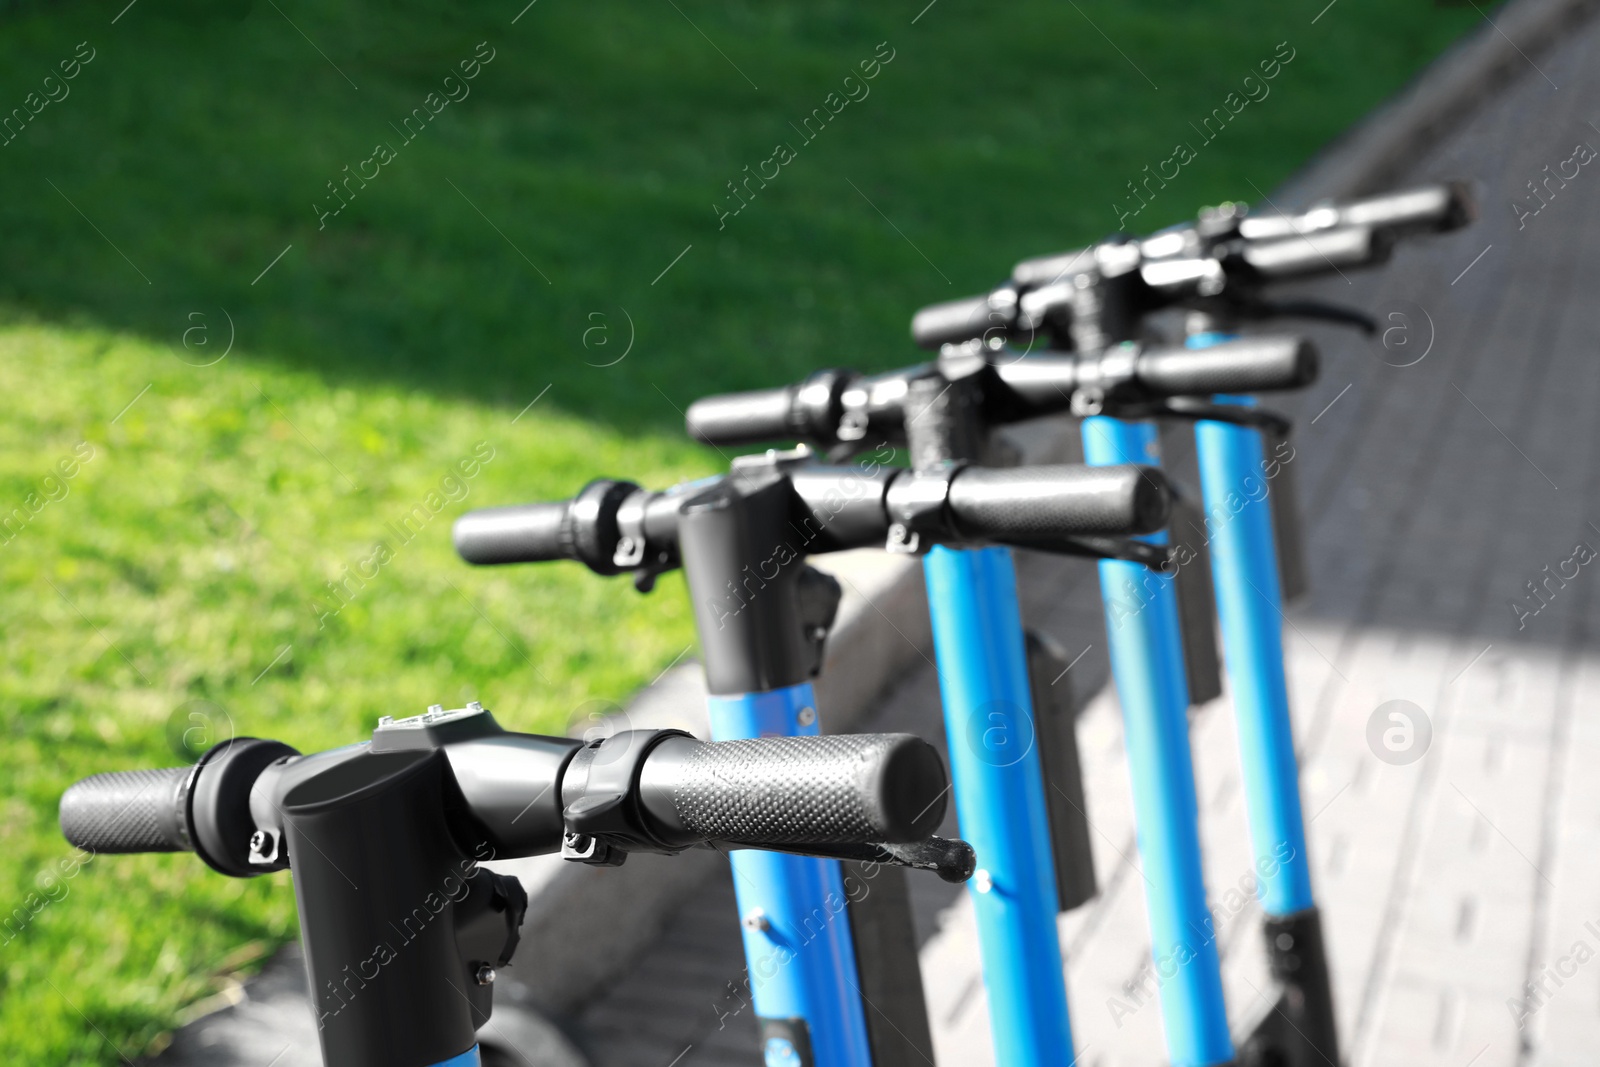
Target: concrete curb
point(1371, 154)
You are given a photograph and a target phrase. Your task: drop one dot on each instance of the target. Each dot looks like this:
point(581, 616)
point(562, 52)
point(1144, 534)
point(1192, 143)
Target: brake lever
point(1256, 307)
point(953, 861)
point(1318, 309)
point(1198, 409)
point(1156, 557)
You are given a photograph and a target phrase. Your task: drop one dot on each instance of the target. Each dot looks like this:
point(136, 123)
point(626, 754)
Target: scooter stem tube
point(999, 794)
point(1147, 662)
point(1244, 565)
point(469, 1058)
point(797, 945)
point(743, 574)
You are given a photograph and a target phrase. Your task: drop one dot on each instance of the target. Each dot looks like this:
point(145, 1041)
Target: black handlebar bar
point(1425, 209)
point(836, 407)
point(385, 838)
point(616, 526)
point(675, 792)
point(1213, 264)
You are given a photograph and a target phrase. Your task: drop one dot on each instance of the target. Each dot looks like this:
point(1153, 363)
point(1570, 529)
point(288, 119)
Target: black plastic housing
point(388, 986)
point(743, 568)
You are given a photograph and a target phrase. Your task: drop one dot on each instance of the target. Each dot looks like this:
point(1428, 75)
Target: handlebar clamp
point(918, 507)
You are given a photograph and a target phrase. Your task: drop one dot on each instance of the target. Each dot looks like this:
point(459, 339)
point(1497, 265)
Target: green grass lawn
point(175, 525)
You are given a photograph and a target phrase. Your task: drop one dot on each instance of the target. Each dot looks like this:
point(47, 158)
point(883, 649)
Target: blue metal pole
point(999, 794)
point(1235, 485)
point(797, 946)
point(1147, 662)
point(468, 1058)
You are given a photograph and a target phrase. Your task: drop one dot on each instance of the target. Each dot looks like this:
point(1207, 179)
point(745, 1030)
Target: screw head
point(756, 919)
point(807, 716)
point(473, 705)
point(258, 841)
point(434, 709)
point(982, 881)
point(485, 974)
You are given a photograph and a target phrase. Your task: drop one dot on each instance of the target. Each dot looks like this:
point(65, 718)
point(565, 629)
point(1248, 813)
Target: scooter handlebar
point(1426, 209)
point(795, 791)
point(128, 811)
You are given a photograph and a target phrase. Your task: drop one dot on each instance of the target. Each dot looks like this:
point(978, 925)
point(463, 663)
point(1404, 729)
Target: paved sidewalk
point(1435, 493)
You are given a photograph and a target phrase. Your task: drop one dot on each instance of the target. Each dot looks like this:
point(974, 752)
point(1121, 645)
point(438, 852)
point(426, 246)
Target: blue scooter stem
point(469, 1058)
point(1147, 663)
point(1234, 484)
point(798, 951)
point(999, 793)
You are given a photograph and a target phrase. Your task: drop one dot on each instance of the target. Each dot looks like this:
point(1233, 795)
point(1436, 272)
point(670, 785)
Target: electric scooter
point(1218, 269)
point(944, 410)
point(742, 540)
point(404, 932)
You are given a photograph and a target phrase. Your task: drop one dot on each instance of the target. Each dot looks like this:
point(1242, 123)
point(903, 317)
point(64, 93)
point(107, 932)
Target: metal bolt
point(473, 705)
point(756, 919)
point(386, 720)
point(258, 841)
point(807, 716)
point(435, 709)
point(485, 975)
point(982, 881)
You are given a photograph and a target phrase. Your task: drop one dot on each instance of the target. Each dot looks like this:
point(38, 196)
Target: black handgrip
point(831, 790)
point(1316, 253)
point(742, 418)
point(1425, 209)
point(128, 811)
point(1428, 209)
point(523, 533)
point(1245, 365)
point(955, 321)
point(1037, 504)
point(1046, 270)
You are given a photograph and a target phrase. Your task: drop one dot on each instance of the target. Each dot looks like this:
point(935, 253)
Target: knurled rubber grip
point(836, 789)
point(128, 811)
point(1247, 365)
point(1041, 503)
point(960, 320)
point(522, 533)
point(742, 418)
